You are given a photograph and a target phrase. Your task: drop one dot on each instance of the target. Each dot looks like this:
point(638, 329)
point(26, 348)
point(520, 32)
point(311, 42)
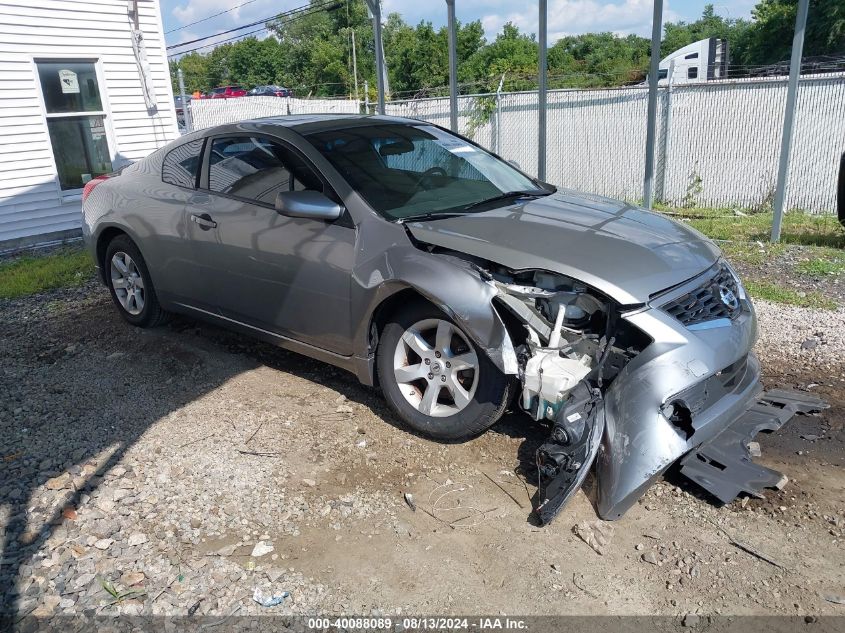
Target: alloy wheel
point(436, 368)
point(127, 282)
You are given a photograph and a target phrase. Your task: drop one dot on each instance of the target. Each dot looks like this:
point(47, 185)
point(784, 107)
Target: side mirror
point(515, 164)
point(307, 204)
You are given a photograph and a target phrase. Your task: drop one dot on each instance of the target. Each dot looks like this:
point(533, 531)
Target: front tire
point(130, 284)
point(435, 378)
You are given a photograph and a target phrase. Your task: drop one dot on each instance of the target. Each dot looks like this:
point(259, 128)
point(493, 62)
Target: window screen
point(257, 169)
point(182, 163)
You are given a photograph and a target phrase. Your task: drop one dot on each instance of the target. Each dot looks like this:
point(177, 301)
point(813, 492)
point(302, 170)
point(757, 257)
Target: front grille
point(716, 298)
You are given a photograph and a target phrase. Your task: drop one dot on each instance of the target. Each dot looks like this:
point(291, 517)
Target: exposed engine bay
point(687, 398)
point(573, 350)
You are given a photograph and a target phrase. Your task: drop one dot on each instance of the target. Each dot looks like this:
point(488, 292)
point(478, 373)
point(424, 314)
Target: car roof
point(311, 123)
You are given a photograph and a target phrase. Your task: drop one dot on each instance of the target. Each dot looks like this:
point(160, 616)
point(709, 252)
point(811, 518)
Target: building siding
point(31, 201)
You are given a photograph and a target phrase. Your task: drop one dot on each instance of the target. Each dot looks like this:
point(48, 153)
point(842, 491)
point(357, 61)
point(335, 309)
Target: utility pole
point(453, 66)
point(651, 123)
point(789, 117)
point(375, 9)
point(354, 65)
point(541, 93)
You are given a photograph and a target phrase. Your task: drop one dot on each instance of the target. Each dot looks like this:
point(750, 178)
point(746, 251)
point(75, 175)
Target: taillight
point(89, 186)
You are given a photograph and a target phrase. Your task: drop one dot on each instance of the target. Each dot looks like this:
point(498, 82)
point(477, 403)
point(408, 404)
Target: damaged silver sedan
point(460, 286)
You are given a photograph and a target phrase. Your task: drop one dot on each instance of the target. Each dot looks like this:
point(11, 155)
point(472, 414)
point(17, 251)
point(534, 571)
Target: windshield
point(404, 170)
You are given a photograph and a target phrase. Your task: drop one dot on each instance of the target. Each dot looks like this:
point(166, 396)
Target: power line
point(184, 26)
point(294, 11)
point(299, 15)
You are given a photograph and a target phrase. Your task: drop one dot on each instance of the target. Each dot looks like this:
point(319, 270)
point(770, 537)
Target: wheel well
point(103, 241)
point(513, 326)
point(386, 309)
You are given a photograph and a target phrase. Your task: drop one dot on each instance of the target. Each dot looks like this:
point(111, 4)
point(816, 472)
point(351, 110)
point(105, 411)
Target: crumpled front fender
point(450, 283)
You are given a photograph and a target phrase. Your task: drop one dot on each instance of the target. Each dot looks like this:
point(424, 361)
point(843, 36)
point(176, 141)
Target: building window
point(76, 121)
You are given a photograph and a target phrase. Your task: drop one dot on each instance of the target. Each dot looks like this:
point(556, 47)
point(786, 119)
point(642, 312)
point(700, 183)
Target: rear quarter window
point(181, 164)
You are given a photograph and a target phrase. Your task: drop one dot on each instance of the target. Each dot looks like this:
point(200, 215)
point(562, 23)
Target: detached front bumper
point(693, 392)
point(708, 375)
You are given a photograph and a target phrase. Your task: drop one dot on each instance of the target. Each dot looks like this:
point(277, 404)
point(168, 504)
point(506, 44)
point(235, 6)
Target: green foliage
point(483, 108)
point(769, 36)
point(513, 54)
point(598, 59)
point(679, 34)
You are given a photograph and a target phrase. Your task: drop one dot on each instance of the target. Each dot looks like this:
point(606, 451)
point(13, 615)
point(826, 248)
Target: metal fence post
point(453, 67)
point(666, 131)
point(541, 95)
point(185, 106)
point(366, 97)
point(789, 117)
point(651, 123)
point(498, 136)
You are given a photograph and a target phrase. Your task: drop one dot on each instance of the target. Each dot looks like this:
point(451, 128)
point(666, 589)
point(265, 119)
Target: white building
point(81, 92)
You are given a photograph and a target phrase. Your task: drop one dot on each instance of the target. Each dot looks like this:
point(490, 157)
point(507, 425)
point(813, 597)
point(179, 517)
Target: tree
point(598, 59)
point(195, 71)
point(315, 48)
point(679, 34)
point(512, 53)
point(769, 38)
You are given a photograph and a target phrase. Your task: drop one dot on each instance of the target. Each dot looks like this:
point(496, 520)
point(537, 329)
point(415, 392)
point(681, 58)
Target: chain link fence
point(210, 112)
point(718, 143)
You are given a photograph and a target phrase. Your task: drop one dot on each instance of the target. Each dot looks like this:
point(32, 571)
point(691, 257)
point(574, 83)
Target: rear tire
point(435, 378)
point(130, 284)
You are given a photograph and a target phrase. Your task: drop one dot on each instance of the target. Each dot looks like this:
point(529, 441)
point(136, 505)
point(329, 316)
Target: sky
point(566, 17)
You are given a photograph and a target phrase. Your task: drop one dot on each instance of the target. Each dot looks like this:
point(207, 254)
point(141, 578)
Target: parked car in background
point(227, 92)
point(270, 91)
point(425, 265)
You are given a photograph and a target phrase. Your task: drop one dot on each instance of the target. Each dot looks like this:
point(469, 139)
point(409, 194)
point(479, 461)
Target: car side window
point(256, 169)
point(182, 163)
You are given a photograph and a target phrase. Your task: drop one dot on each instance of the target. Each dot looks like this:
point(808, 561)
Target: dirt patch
point(161, 461)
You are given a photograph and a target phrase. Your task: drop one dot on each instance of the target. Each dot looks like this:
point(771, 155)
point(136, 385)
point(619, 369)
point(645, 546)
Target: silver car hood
point(619, 249)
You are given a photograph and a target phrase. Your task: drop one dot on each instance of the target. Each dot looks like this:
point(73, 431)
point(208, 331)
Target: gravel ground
point(185, 467)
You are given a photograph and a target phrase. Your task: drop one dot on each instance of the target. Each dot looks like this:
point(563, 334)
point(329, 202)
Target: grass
point(824, 263)
point(781, 294)
point(798, 227)
point(30, 274)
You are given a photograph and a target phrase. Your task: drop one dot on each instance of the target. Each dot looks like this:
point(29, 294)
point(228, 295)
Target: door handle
point(204, 221)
